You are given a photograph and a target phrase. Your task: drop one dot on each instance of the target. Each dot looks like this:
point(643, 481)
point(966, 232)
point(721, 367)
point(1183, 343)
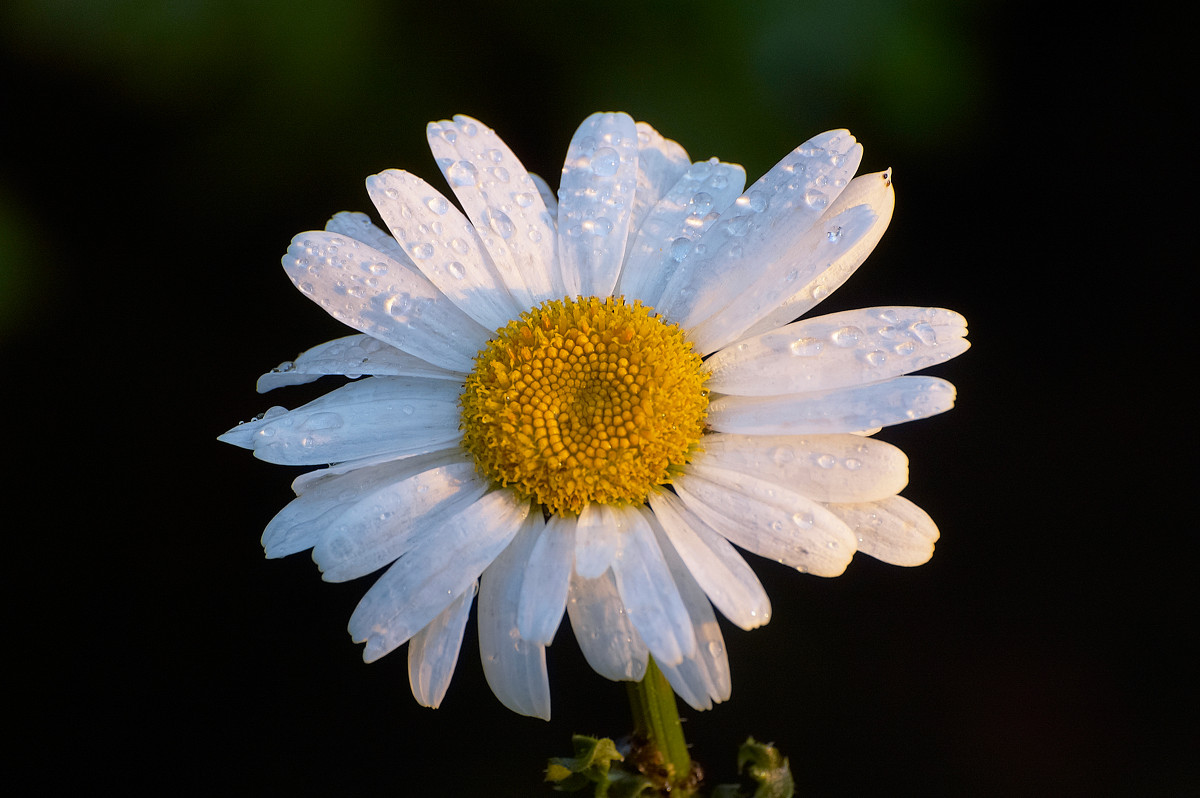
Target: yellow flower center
point(584, 400)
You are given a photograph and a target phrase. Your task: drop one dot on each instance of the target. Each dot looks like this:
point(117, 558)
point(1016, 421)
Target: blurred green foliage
point(249, 103)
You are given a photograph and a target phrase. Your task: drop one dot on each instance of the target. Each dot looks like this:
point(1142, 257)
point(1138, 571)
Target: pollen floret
point(584, 400)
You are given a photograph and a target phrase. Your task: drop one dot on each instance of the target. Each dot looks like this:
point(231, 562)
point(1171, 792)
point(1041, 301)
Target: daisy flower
point(583, 403)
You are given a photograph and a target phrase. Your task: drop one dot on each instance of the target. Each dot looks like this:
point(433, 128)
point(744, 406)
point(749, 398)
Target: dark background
point(156, 159)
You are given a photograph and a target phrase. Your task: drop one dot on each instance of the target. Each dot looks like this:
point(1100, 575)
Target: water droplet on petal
point(806, 347)
point(438, 205)
point(834, 235)
point(500, 223)
point(815, 199)
point(826, 461)
point(422, 251)
point(456, 270)
point(846, 336)
point(462, 173)
point(680, 248)
point(605, 162)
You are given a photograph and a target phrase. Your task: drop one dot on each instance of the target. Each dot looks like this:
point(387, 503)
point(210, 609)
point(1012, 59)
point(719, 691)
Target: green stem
point(656, 721)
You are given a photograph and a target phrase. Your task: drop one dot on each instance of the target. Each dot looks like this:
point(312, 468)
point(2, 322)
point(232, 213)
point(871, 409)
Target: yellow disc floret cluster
point(584, 400)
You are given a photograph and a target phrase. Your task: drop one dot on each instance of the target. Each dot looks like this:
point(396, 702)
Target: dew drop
point(846, 336)
point(499, 173)
point(523, 198)
point(806, 347)
point(456, 270)
point(826, 461)
point(819, 292)
point(852, 464)
point(460, 246)
point(924, 332)
point(500, 223)
point(834, 235)
point(605, 162)
point(815, 199)
point(875, 358)
point(803, 520)
point(462, 173)
point(700, 204)
point(680, 248)
point(905, 348)
point(379, 269)
point(438, 205)
point(422, 251)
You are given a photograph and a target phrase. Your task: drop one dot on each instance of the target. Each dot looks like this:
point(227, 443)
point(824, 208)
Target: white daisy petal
point(807, 256)
point(703, 677)
point(760, 229)
point(433, 651)
point(597, 534)
point(360, 227)
point(386, 523)
point(503, 202)
point(515, 668)
point(378, 415)
point(827, 468)
point(648, 593)
point(871, 190)
point(893, 530)
point(853, 347)
point(323, 496)
point(771, 521)
point(443, 245)
point(725, 577)
point(353, 356)
point(670, 230)
point(610, 643)
point(440, 567)
point(549, 198)
point(595, 199)
point(862, 407)
point(661, 162)
point(384, 298)
point(546, 581)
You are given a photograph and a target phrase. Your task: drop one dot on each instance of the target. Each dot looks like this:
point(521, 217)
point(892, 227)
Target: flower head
point(582, 403)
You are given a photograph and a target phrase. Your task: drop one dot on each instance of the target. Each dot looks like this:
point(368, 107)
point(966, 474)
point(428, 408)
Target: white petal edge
point(595, 201)
point(894, 530)
point(771, 521)
point(649, 594)
point(759, 230)
point(374, 416)
point(875, 192)
point(504, 203)
point(668, 234)
point(724, 575)
point(433, 651)
point(385, 524)
point(702, 678)
point(352, 356)
point(853, 347)
point(862, 407)
point(826, 468)
point(598, 532)
point(325, 497)
point(606, 636)
point(515, 669)
point(546, 581)
point(661, 162)
point(420, 584)
point(444, 246)
point(375, 294)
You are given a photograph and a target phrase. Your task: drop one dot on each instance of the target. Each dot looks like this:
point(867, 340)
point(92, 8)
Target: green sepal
point(592, 764)
point(768, 768)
